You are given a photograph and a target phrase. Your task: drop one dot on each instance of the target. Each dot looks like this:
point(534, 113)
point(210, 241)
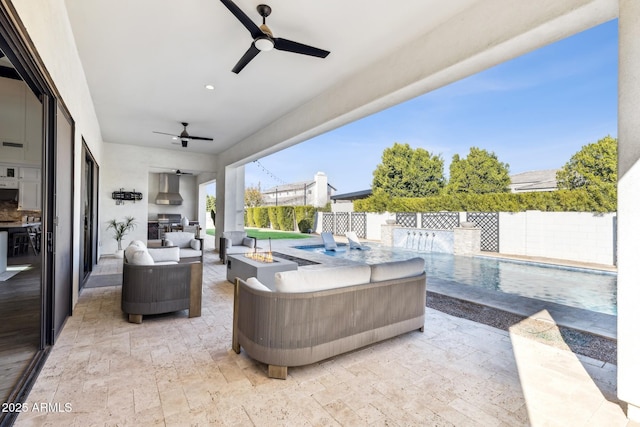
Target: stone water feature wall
point(423, 240)
point(459, 241)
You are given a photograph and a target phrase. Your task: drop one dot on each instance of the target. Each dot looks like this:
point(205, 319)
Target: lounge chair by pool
point(329, 242)
point(354, 242)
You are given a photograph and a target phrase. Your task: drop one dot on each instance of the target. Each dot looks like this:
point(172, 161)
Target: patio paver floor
point(172, 370)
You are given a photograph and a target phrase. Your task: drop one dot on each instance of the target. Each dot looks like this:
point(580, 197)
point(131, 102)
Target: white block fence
point(574, 236)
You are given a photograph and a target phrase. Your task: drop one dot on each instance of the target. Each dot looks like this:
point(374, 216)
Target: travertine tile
point(173, 371)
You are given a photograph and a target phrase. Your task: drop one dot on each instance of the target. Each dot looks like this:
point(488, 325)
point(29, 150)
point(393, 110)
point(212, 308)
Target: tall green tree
point(253, 197)
point(595, 169)
point(479, 173)
point(407, 172)
point(210, 203)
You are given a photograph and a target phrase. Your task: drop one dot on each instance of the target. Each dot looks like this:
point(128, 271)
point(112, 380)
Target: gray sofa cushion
point(397, 269)
point(181, 239)
point(165, 254)
point(310, 280)
point(188, 253)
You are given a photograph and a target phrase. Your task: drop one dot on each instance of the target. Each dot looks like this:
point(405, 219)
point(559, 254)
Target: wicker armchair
point(162, 288)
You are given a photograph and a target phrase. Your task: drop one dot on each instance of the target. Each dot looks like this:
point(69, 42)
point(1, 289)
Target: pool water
point(593, 290)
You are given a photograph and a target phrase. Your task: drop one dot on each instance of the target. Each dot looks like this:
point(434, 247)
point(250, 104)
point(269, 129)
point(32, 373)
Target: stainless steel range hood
point(169, 190)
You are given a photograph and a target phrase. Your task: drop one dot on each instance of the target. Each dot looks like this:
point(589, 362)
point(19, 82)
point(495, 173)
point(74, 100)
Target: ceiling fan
point(184, 136)
point(263, 39)
point(180, 173)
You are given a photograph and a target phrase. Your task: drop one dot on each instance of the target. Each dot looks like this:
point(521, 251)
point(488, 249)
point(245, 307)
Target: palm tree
point(121, 228)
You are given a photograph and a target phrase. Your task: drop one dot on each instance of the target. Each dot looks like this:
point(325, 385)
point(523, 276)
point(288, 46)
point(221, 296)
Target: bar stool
point(19, 243)
point(34, 234)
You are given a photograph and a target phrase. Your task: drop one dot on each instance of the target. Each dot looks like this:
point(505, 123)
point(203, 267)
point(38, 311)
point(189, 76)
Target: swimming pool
point(593, 290)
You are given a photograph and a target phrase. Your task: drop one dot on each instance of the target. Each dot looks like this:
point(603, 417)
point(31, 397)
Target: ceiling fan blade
point(243, 18)
point(170, 134)
point(246, 58)
point(201, 138)
point(295, 47)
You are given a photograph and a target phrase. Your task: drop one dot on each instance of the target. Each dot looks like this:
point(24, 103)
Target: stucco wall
point(578, 236)
point(132, 167)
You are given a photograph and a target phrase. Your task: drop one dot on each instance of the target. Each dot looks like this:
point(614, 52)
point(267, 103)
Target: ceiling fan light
point(264, 43)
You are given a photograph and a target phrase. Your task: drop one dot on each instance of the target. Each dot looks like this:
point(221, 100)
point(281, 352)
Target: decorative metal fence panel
point(440, 220)
point(489, 229)
point(407, 219)
point(328, 222)
point(342, 223)
point(359, 224)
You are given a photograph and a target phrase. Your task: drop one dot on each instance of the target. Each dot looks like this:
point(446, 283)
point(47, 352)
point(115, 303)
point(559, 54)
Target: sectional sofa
point(313, 314)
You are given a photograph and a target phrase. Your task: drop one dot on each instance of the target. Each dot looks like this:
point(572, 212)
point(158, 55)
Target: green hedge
point(548, 201)
point(285, 218)
point(280, 217)
point(273, 217)
point(304, 217)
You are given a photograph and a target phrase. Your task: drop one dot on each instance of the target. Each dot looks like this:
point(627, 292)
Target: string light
point(269, 173)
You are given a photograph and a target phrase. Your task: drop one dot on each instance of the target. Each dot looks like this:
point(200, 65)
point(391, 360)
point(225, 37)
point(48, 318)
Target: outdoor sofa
point(314, 314)
point(157, 280)
point(234, 243)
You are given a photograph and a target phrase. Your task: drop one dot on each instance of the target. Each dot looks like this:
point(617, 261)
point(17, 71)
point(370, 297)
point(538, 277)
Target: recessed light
point(210, 87)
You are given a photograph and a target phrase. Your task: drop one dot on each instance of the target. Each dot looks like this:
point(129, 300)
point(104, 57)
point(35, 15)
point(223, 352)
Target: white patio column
point(629, 207)
point(229, 200)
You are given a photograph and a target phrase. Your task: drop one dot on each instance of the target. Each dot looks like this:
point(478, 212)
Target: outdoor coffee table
point(239, 266)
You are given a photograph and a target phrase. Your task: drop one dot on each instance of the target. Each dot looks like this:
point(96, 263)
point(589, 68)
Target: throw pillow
point(134, 246)
point(254, 283)
point(141, 257)
point(249, 242)
point(195, 244)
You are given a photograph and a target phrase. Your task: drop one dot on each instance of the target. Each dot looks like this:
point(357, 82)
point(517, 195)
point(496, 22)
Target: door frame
point(17, 46)
point(87, 156)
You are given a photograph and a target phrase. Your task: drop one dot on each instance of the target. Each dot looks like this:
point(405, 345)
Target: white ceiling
point(147, 61)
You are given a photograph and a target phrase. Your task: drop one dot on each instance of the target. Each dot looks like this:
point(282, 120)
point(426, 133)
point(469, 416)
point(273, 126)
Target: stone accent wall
point(466, 240)
point(386, 234)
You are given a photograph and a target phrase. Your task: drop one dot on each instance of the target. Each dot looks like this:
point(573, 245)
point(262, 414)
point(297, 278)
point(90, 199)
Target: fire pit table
point(260, 265)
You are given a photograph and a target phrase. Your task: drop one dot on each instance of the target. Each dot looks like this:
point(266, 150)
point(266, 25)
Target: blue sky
point(534, 112)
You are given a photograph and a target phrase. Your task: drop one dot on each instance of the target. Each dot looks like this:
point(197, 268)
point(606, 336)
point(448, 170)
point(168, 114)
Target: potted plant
point(120, 229)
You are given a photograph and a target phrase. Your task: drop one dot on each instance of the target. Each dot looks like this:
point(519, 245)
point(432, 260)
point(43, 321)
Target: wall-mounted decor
point(122, 196)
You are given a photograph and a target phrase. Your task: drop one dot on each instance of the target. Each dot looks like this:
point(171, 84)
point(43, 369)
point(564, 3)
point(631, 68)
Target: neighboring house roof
point(356, 195)
point(542, 180)
point(293, 187)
